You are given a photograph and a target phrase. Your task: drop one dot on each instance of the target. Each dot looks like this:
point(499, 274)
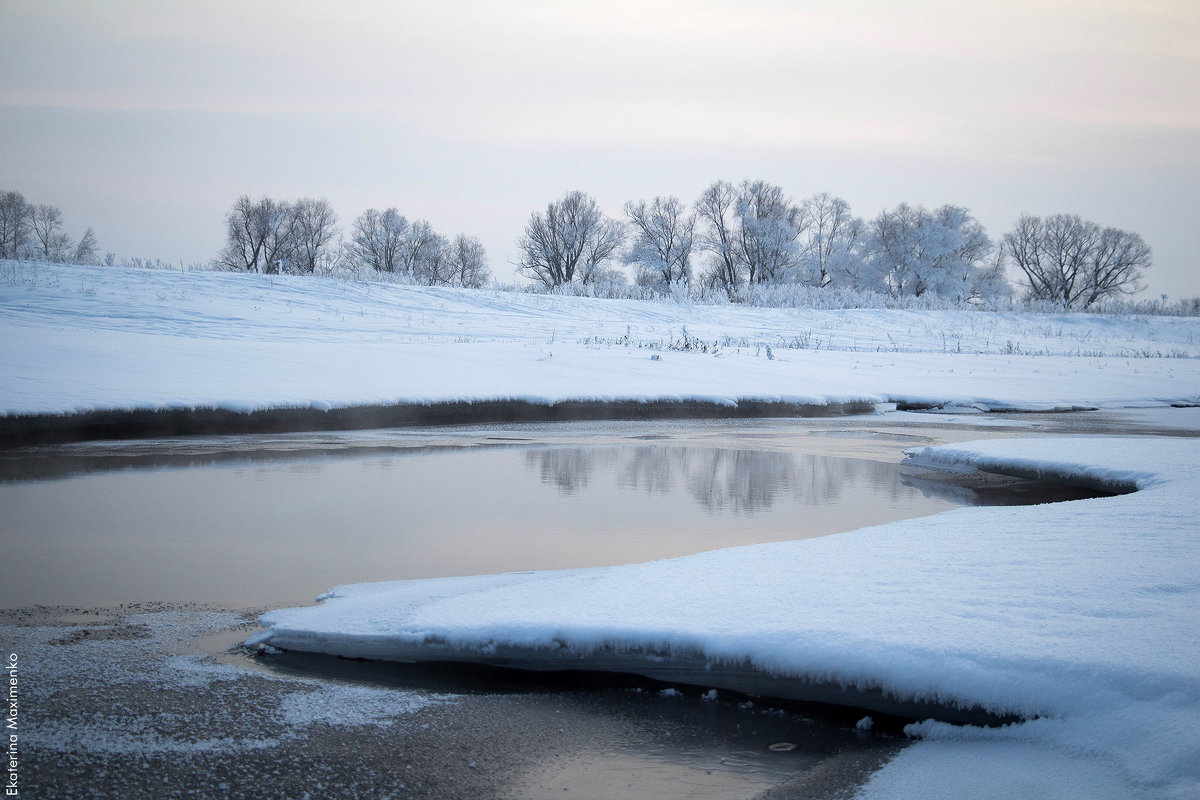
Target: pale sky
point(147, 119)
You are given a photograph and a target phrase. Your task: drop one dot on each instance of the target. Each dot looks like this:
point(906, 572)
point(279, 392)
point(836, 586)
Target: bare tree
point(378, 238)
point(571, 241)
point(717, 212)
point(315, 230)
point(50, 243)
point(15, 216)
point(247, 227)
point(279, 246)
point(751, 230)
point(467, 263)
point(1116, 265)
point(1074, 262)
point(664, 233)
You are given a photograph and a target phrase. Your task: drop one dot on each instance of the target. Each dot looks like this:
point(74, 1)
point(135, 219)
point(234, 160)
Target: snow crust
point(88, 338)
point(1081, 617)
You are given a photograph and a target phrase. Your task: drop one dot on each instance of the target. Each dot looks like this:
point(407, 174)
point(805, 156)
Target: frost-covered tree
point(1073, 262)
point(751, 233)
point(433, 269)
point(377, 239)
point(15, 218)
point(86, 249)
point(315, 230)
point(959, 255)
point(912, 251)
point(606, 282)
point(280, 244)
point(663, 235)
point(570, 242)
point(423, 253)
point(467, 263)
point(769, 229)
point(830, 242)
point(894, 250)
point(277, 236)
point(49, 241)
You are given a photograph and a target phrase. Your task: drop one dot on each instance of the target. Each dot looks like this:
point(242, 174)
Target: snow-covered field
point(1080, 616)
point(85, 338)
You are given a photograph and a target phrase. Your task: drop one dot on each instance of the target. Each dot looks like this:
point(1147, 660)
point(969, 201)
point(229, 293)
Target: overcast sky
point(147, 119)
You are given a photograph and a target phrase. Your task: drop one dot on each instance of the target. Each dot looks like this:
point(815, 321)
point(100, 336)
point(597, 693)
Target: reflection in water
point(718, 479)
point(278, 520)
point(568, 468)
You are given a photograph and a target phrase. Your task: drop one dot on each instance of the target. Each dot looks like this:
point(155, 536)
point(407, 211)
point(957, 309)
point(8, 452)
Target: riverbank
point(123, 352)
point(19, 430)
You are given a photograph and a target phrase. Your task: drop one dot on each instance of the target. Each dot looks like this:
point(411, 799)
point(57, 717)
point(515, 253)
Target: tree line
point(29, 231)
point(303, 237)
point(734, 239)
point(752, 234)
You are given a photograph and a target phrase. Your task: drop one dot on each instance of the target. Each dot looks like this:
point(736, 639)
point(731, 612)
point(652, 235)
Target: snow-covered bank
point(81, 339)
point(1080, 616)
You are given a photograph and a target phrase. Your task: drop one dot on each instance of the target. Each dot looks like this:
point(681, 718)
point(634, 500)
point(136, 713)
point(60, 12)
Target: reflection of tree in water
point(648, 467)
point(742, 481)
point(568, 468)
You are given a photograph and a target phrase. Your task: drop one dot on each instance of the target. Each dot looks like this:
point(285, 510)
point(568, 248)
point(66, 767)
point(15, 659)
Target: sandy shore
point(141, 701)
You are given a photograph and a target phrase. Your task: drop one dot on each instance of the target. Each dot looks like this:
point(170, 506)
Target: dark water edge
point(514, 668)
point(28, 429)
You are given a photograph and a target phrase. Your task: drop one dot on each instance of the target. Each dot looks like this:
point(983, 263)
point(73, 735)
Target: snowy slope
point(86, 338)
point(1081, 616)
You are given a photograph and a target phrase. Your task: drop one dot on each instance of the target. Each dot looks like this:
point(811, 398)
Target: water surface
point(276, 520)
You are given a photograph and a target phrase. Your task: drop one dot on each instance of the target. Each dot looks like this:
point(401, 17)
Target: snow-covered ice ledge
point(1080, 617)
